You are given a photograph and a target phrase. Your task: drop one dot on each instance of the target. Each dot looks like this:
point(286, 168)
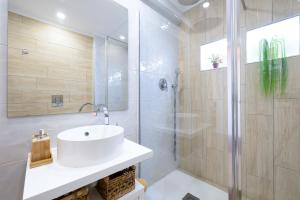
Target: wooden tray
point(41, 162)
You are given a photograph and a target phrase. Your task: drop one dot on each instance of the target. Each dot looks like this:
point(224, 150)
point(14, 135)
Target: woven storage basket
point(80, 194)
point(117, 185)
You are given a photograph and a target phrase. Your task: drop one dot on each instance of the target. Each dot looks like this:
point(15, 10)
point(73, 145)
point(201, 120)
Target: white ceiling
point(92, 17)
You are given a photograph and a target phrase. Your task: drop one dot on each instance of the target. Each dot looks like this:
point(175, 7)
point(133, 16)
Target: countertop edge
point(80, 182)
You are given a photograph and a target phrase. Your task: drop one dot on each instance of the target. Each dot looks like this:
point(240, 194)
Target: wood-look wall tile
point(68, 74)
point(51, 84)
point(215, 166)
point(258, 13)
point(21, 83)
point(287, 133)
point(21, 42)
point(285, 9)
point(293, 83)
point(259, 188)
point(256, 102)
point(67, 108)
point(287, 184)
point(259, 146)
point(59, 63)
point(28, 109)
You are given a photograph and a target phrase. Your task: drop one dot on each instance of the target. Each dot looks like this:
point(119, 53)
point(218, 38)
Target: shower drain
point(189, 196)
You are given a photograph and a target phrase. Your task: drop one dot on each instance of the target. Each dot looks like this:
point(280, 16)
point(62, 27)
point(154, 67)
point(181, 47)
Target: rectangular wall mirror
point(63, 54)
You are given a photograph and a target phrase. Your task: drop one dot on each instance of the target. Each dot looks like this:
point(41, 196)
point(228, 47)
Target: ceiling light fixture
point(206, 4)
point(60, 15)
point(122, 37)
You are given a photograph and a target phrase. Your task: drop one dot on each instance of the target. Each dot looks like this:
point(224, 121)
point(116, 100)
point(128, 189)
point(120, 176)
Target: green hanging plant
point(264, 66)
point(273, 66)
point(284, 69)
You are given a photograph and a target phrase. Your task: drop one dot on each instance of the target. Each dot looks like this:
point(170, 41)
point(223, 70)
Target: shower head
point(188, 2)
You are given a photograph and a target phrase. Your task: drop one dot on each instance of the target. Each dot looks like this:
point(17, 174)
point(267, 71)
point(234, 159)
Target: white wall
point(15, 134)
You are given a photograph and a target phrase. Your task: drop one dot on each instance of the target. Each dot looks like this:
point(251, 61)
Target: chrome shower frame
point(233, 82)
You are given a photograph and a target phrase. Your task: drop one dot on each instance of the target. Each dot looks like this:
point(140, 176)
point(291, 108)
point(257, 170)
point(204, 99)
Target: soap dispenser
point(40, 149)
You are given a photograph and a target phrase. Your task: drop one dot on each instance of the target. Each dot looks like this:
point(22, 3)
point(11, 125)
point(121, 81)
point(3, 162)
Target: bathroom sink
point(89, 145)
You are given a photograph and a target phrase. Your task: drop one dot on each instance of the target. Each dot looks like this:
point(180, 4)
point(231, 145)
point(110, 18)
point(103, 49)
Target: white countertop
point(53, 180)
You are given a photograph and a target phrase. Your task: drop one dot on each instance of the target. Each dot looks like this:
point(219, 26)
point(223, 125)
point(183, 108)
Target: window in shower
point(288, 30)
point(217, 48)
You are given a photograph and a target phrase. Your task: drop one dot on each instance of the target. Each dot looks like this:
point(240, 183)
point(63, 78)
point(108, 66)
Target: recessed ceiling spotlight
point(60, 15)
point(122, 37)
point(206, 4)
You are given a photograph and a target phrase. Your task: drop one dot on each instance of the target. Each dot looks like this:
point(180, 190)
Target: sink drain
point(86, 133)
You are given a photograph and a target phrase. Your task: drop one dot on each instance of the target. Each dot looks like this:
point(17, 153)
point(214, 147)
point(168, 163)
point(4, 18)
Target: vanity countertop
point(53, 180)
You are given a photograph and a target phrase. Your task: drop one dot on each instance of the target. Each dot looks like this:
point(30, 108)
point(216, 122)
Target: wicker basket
point(117, 185)
point(80, 194)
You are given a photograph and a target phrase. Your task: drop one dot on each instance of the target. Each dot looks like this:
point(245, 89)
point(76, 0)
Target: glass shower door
point(183, 102)
point(270, 99)
point(158, 67)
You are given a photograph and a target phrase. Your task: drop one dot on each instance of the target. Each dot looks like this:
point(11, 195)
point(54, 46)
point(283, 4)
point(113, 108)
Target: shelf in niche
point(213, 69)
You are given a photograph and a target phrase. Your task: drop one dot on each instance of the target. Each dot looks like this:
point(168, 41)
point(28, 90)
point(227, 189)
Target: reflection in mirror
point(117, 55)
point(63, 54)
point(111, 73)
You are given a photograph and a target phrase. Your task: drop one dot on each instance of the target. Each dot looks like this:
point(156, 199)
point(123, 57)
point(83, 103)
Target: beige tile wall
point(272, 138)
point(59, 63)
point(270, 125)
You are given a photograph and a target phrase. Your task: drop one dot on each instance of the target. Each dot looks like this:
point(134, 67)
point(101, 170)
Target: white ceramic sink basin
point(89, 145)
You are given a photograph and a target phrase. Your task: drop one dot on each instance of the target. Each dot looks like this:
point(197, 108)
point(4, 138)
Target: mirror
point(63, 54)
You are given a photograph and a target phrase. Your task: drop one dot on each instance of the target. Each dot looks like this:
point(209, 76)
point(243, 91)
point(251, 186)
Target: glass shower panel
point(183, 99)
point(203, 94)
point(270, 106)
point(158, 68)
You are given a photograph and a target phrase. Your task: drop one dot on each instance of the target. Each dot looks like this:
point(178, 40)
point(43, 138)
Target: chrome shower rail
point(233, 80)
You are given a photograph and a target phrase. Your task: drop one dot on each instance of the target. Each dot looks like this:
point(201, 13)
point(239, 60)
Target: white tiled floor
point(175, 185)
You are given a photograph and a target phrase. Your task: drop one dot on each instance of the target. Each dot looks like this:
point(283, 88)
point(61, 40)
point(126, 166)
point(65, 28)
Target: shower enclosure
point(220, 99)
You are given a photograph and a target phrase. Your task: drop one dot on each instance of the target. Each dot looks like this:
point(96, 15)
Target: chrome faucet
point(103, 108)
point(86, 104)
point(98, 108)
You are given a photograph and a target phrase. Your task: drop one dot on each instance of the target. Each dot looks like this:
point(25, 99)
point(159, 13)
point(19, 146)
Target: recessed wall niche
point(287, 30)
point(217, 48)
